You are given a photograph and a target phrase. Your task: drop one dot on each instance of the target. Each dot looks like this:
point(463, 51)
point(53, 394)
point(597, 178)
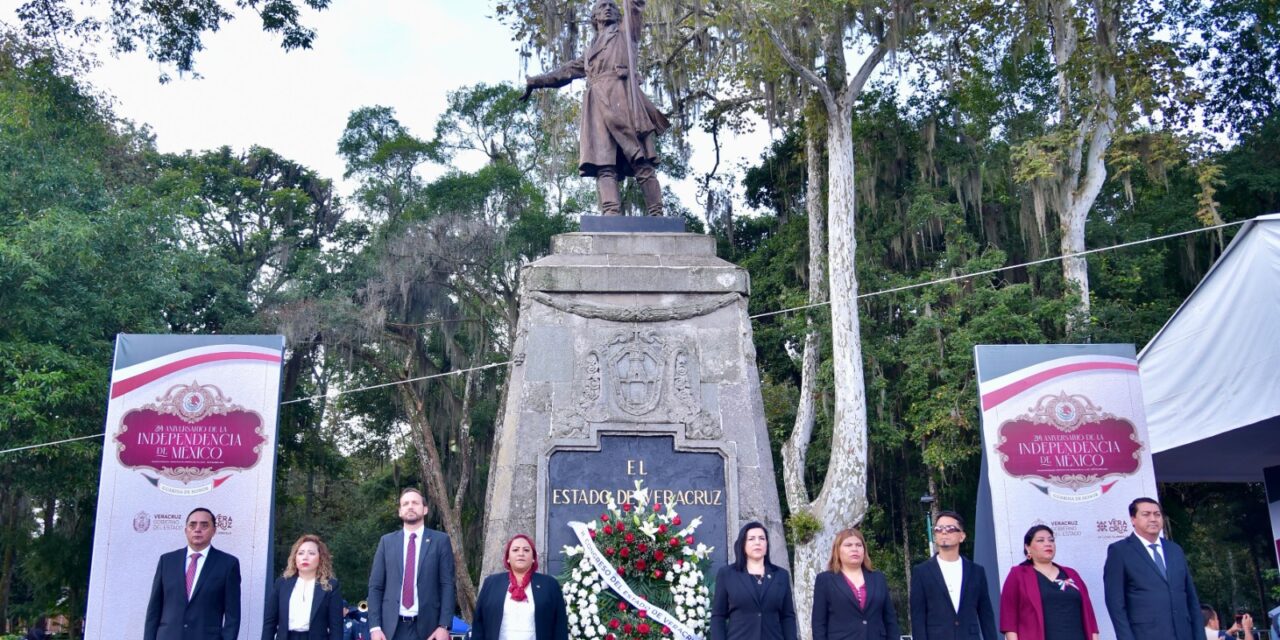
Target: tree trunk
point(843, 500)
point(1080, 180)
point(13, 503)
point(844, 495)
point(796, 448)
point(432, 471)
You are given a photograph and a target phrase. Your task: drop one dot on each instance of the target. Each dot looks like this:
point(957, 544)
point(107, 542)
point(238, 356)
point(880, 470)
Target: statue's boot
point(607, 191)
point(647, 178)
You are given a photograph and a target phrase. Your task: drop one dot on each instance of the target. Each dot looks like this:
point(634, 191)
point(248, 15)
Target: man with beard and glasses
point(619, 124)
point(411, 588)
point(949, 597)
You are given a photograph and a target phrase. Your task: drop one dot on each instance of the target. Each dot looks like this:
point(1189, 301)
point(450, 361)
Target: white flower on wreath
point(693, 526)
point(649, 529)
point(641, 494)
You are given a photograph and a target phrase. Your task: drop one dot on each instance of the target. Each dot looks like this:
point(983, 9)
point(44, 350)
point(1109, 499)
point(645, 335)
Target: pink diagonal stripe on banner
point(129, 384)
point(994, 398)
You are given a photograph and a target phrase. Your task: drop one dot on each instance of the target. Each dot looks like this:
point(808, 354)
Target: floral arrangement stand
point(638, 573)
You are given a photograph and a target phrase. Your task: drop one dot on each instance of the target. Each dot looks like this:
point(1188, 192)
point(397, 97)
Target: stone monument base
point(633, 361)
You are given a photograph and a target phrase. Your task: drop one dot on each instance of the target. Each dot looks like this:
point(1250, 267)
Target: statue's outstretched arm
point(571, 71)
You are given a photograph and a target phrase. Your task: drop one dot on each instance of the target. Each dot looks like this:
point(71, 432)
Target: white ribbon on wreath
point(609, 575)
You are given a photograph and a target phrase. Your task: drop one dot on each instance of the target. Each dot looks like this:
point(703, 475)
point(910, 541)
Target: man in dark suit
point(196, 591)
point(1148, 586)
point(949, 598)
point(411, 588)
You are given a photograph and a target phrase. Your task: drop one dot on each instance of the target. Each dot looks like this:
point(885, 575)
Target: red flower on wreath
point(615, 623)
point(676, 521)
point(643, 628)
point(630, 537)
point(658, 555)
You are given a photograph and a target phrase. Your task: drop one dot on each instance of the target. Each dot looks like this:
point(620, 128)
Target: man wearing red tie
point(411, 589)
point(196, 591)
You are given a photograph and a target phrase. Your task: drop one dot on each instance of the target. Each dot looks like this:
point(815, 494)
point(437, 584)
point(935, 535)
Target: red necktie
point(406, 589)
point(191, 573)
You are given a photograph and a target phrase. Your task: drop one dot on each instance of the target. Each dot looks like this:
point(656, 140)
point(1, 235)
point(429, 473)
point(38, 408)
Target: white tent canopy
point(1211, 376)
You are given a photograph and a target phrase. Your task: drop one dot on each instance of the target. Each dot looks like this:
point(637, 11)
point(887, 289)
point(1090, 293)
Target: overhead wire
point(766, 314)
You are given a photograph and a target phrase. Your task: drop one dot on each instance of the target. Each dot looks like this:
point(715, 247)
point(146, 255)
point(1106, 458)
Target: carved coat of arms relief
point(637, 375)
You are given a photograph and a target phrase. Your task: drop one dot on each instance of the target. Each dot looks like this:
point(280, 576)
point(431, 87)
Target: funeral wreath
point(638, 573)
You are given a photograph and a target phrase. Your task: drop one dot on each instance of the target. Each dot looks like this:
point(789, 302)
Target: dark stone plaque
point(631, 224)
point(579, 484)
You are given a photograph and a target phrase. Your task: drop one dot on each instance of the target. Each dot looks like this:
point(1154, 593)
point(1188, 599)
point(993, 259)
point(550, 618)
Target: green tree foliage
point(80, 260)
point(433, 291)
point(171, 32)
point(1239, 56)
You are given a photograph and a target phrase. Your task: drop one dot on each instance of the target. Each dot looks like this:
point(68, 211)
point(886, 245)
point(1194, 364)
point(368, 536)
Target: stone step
point(665, 244)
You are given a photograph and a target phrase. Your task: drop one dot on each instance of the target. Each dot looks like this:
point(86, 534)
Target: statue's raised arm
point(619, 123)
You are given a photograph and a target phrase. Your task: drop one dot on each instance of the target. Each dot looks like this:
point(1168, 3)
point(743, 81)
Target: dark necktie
point(1155, 554)
point(191, 573)
point(410, 558)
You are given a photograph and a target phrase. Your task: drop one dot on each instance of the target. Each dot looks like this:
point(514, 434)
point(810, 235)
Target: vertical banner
point(1064, 444)
point(1271, 479)
point(191, 422)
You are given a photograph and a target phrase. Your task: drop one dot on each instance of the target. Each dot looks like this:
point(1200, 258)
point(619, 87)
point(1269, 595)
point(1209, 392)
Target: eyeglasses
point(947, 528)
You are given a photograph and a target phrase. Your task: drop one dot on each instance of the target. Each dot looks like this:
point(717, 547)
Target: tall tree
point(883, 27)
point(1115, 65)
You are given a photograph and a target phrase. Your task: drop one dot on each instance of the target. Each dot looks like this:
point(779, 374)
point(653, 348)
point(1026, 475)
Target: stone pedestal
point(633, 361)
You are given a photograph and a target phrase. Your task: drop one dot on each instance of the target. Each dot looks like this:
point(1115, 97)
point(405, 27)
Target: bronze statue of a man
point(619, 123)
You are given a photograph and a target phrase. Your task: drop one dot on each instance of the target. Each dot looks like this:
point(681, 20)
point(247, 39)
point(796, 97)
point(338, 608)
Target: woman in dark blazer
point(1042, 600)
point(531, 602)
point(851, 599)
point(305, 604)
point(753, 596)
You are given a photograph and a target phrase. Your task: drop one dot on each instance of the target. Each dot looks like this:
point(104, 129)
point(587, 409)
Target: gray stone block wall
point(630, 334)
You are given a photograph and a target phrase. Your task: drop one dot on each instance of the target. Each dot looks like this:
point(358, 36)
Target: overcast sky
point(405, 54)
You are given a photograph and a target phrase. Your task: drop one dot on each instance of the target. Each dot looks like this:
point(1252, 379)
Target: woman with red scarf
point(520, 604)
point(1043, 600)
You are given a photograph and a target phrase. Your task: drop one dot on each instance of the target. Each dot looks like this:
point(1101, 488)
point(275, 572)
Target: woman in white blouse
point(305, 604)
point(520, 603)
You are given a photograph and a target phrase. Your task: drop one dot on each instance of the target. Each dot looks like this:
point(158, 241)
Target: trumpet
point(363, 606)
